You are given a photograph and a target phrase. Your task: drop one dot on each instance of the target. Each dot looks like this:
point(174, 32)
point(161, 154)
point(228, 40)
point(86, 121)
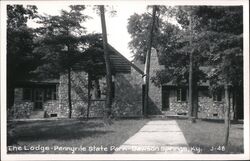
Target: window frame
point(52, 92)
point(217, 96)
point(24, 97)
point(180, 97)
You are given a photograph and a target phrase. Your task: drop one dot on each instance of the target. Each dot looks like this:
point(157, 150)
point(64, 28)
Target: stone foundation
point(211, 109)
point(51, 107)
point(207, 108)
point(21, 109)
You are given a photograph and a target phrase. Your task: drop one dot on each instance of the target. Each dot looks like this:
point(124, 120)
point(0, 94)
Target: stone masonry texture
point(127, 101)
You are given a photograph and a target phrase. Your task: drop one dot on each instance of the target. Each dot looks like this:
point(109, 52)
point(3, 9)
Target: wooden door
point(38, 99)
point(165, 99)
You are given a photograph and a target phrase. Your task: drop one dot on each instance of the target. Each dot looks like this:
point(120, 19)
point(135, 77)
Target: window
point(181, 94)
point(217, 96)
point(54, 93)
point(27, 94)
point(50, 93)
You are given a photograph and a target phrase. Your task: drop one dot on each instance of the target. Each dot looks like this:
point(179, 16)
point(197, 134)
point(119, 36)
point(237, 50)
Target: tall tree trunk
point(69, 92)
point(227, 114)
point(89, 96)
point(195, 99)
point(108, 67)
point(195, 91)
point(190, 82)
point(235, 104)
point(69, 77)
point(147, 64)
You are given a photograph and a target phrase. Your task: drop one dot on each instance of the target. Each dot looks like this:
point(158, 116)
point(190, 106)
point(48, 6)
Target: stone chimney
point(154, 91)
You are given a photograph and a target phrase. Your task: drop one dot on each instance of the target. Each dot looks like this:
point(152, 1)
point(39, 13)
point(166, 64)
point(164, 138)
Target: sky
point(116, 25)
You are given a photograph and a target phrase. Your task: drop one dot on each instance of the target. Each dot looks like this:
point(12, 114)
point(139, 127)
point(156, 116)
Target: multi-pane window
point(181, 94)
point(31, 94)
point(54, 93)
point(50, 93)
point(217, 96)
point(27, 94)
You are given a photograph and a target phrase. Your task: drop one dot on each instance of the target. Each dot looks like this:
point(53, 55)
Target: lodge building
point(48, 98)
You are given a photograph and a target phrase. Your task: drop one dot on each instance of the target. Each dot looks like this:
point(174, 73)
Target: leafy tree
point(225, 25)
point(170, 42)
point(92, 61)
point(20, 60)
point(61, 41)
point(191, 35)
point(216, 42)
point(219, 31)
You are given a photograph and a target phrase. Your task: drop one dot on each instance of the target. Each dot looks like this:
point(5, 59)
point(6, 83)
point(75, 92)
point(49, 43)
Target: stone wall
point(176, 106)
point(212, 109)
point(78, 94)
point(128, 95)
point(155, 93)
point(51, 107)
point(127, 101)
point(155, 102)
point(21, 109)
point(207, 107)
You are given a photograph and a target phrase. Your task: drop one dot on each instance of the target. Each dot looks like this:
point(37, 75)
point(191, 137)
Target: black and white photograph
point(128, 80)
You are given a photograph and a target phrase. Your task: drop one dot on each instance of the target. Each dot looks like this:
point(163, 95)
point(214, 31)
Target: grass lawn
point(93, 137)
point(60, 136)
point(209, 136)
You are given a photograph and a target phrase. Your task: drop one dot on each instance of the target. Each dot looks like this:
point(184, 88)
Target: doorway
point(165, 99)
point(38, 99)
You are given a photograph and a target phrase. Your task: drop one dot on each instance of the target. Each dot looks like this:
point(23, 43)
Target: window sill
point(182, 101)
point(218, 101)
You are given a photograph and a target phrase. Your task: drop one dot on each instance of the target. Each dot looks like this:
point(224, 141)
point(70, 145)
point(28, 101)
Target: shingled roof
point(119, 64)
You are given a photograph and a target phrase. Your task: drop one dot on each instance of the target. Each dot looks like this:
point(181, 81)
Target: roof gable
point(119, 64)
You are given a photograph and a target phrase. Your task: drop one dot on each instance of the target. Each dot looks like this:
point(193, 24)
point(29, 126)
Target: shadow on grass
point(60, 130)
point(209, 135)
point(75, 133)
point(221, 121)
